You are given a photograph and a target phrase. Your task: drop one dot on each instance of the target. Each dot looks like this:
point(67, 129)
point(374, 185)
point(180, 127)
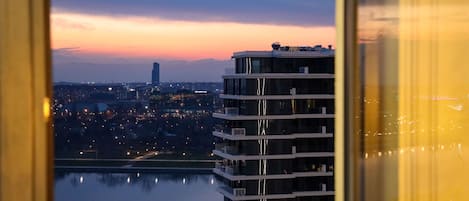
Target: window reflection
point(409, 100)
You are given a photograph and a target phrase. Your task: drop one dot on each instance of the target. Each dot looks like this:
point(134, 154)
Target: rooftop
point(279, 51)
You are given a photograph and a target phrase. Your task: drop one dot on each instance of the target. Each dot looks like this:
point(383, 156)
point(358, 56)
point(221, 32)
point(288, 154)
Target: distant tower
point(155, 74)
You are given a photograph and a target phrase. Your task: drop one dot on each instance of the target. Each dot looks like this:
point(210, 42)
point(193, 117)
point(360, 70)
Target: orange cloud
point(157, 38)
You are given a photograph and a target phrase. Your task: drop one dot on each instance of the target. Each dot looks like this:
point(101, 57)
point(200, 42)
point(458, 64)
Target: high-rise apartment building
point(277, 139)
point(155, 74)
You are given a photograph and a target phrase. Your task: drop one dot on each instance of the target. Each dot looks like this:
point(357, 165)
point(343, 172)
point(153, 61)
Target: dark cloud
point(285, 12)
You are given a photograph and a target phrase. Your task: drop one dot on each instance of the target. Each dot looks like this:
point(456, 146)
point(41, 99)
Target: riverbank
point(126, 164)
point(107, 169)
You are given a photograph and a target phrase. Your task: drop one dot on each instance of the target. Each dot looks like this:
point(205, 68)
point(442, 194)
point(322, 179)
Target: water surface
point(135, 187)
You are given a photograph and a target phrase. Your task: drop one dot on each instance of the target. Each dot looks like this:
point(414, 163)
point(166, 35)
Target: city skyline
point(191, 42)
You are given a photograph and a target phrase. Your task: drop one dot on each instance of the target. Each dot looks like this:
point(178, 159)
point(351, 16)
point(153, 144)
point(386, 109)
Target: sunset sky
point(193, 40)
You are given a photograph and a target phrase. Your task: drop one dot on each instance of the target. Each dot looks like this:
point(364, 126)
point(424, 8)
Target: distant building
point(155, 74)
point(278, 122)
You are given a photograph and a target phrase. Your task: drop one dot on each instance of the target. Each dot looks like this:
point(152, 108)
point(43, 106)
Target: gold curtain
point(433, 100)
point(408, 105)
point(25, 91)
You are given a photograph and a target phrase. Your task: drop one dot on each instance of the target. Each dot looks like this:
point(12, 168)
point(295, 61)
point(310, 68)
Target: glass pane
point(411, 116)
point(220, 111)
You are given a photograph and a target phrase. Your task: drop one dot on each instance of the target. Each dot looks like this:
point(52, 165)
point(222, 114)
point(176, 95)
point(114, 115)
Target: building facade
point(276, 135)
point(155, 74)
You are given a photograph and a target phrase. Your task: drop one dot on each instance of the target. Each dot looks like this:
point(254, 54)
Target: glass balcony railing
point(238, 131)
point(229, 169)
point(239, 191)
point(234, 191)
point(318, 167)
point(231, 111)
point(234, 111)
point(223, 147)
point(273, 131)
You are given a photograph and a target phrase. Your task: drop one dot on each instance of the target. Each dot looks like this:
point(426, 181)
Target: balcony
point(237, 135)
point(320, 169)
point(236, 116)
point(220, 146)
point(299, 75)
point(232, 173)
point(234, 192)
point(277, 97)
point(225, 148)
point(240, 193)
point(304, 69)
point(236, 156)
point(238, 131)
point(234, 131)
point(228, 169)
point(232, 111)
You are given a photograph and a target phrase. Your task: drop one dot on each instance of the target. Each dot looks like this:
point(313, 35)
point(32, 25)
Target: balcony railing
point(219, 166)
point(220, 146)
point(304, 69)
point(238, 131)
point(236, 192)
point(226, 149)
point(231, 111)
point(239, 191)
point(229, 169)
point(230, 150)
point(322, 168)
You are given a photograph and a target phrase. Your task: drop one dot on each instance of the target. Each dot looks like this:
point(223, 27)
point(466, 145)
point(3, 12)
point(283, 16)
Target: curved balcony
point(233, 173)
point(277, 97)
point(231, 153)
point(241, 135)
point(232, 116)
point(240, 194)
point(281, 76)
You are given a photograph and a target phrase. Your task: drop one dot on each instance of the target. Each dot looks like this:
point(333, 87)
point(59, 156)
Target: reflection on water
point(135, 187)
